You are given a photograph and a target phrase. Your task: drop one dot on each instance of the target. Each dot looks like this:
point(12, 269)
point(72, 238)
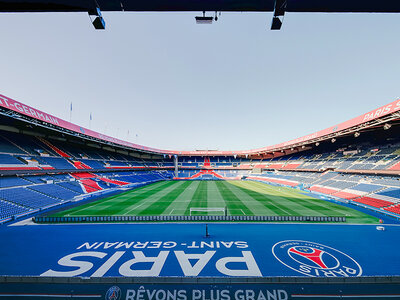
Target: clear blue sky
point(178, 85)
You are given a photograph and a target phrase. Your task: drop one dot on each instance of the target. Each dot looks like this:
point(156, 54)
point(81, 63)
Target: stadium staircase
point(90, 185)
point(54, 148)
point(207, 163)
point(395, 167)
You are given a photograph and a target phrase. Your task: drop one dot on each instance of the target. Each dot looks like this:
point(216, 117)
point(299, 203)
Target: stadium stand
point(362, 170)
point(27, 198)
point(54, 191)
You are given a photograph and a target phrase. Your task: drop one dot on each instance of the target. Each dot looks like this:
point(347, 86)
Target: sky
point(233, 85)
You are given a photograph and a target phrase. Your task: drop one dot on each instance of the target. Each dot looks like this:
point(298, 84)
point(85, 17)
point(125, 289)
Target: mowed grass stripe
point(159, 206)
point(215, 199)
point(240, 197)
point(275, 207)
point(199, 198)
point(93, 208)
point(294, 202)
point(310, 206)
point(315, 204)
point(143, 203)
point(257, 207)
point(332, 209)
point(271, 201)
point(234, 204)
point(119, 204)
point(181, 203)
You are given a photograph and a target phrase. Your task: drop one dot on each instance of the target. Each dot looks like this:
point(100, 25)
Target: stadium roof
point(178, 5)
point(279, 7)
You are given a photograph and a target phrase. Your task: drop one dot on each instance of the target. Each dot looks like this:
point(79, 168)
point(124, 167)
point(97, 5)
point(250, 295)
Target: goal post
point(223, 210)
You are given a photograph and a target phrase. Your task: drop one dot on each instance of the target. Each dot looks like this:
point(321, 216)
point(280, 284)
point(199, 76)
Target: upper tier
point(379, 116)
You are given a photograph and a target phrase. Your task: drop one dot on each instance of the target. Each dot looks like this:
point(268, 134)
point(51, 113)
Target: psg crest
point(315, 260)
point(113, 293)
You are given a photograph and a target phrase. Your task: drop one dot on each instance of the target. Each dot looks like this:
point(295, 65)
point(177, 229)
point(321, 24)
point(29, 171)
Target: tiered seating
point(117, 164)
point(90, 185)
point(388, 181)
point(184, 174)
point(54, 148)
point(368, 188)
point(24, 142)
point(57, 162)
point(345, 195)
point(9, 209)
point(105, 185)
point(72, 185)
point(279, 181)
point(323, 190)
point(94, 164)
point(291, 166)
point(37, 179)
point(83, 175)
point(80, 165)
point(27, 197)
point(274, 166)
point(113, 181)
point(7, 147)
point(340, 185)
point(54, 190)
point(393, 192)
point(373, 202)
point(386, 163)
point(61, 177)
point(395, 209)
point(7, 159)
point(12, 181)
point(395, 167)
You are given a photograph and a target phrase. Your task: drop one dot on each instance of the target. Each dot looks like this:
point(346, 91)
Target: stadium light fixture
point(98, 22)
point(357, 134)
point(203, 19)
point(333, 140)
point(279, 13)
point(316, 144)
point(387, 126)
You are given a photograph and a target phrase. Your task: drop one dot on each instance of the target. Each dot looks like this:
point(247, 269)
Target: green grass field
point(238, 197)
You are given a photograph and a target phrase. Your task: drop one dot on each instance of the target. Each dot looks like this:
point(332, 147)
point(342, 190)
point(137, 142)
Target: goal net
point(214, 210)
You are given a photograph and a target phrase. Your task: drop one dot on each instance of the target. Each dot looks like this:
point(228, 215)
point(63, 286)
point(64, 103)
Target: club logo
point(113, 293)
point(315, 260)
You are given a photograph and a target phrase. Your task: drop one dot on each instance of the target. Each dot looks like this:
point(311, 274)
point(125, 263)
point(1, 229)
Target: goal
point(222, 210)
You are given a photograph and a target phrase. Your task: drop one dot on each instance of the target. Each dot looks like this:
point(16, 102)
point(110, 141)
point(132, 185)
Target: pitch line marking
point(266, 199)
point(152, 198)
point(148, 187)
point(285, 193)
point(135, 207)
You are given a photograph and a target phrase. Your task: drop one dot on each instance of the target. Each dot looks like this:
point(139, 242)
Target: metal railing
point(124, 219)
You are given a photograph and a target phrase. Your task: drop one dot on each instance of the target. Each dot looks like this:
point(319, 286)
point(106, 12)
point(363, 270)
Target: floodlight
point(386, 126)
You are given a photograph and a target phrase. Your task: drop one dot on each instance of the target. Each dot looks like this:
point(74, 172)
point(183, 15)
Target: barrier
point(128, 219)
point(200, 288)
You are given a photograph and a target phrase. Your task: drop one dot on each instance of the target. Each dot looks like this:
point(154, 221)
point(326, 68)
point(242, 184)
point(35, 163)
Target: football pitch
point(238, 198)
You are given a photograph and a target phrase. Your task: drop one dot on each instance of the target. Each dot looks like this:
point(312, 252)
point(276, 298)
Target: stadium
point(85, 215)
